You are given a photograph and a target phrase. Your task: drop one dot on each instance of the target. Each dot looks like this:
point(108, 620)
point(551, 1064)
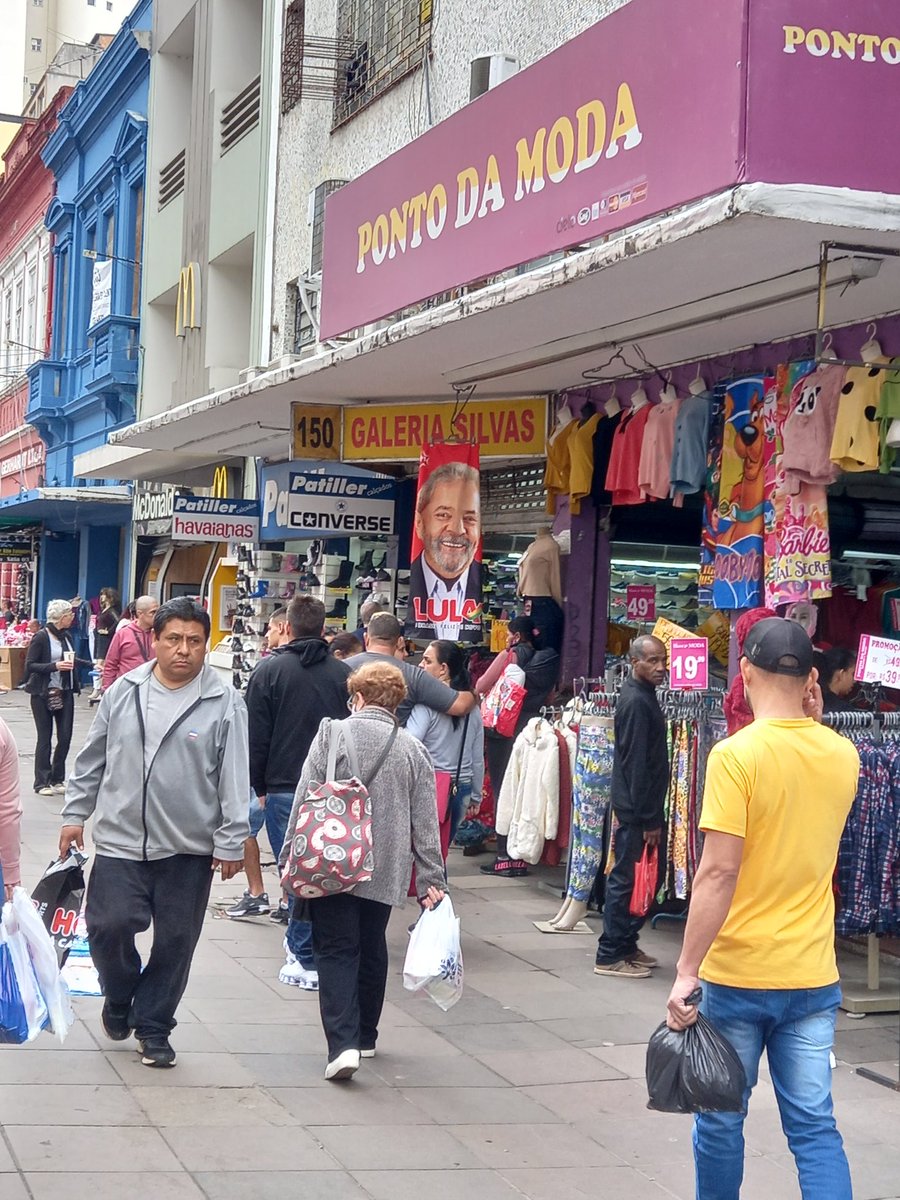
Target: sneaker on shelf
point(114, 1019)
point(623, 970)
point(344, 1066)
point(157, 1052)
point(296, 975)
point(250, 906)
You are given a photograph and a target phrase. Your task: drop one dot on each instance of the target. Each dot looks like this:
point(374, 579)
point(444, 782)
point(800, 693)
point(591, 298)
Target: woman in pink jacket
point(10, 810)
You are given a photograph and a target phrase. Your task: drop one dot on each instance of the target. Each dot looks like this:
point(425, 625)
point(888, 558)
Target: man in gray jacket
point(164, 772)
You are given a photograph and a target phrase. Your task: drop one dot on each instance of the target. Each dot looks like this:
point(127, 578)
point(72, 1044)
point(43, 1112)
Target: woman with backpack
point(538, 672)
point(456, 744)
point(349, 927)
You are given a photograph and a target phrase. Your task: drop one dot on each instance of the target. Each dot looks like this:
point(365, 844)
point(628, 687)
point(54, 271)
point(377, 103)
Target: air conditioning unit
point(489, 70)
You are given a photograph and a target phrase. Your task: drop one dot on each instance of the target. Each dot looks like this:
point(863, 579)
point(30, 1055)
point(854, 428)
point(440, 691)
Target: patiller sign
point(620, 124)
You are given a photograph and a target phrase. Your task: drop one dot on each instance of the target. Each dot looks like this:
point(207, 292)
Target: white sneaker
point(296, 975)
point(288, 957)
point(59, 789)
point(367, 1053)
point(344, 1066)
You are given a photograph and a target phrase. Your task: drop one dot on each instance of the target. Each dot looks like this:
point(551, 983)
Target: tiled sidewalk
point(532, 1086)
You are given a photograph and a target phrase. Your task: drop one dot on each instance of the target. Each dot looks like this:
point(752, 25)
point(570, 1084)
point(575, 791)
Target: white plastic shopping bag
point(35, 1008)
point(434, 962)
point(44, 961)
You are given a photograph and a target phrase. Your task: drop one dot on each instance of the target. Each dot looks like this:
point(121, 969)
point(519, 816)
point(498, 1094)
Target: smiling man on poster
point(445, 575)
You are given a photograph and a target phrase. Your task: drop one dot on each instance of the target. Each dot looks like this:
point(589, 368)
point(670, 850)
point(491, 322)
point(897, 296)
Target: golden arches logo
point(187, 306)
point(220, 484)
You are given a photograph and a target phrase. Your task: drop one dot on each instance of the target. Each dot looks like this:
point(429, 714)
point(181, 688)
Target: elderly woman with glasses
point(51, 679)
point(349, 929)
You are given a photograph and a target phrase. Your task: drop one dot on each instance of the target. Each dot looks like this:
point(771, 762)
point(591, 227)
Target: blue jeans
point(459, 805)
point(299, 933)
point(796, 1028)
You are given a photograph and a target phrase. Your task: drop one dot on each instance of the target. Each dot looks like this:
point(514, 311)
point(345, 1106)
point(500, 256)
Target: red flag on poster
point(445, 573)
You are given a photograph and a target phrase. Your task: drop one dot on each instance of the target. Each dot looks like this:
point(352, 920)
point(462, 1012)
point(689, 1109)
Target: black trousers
point(47, 771)
point(124, 897)
point(350, 946)
point(619, 940)
point(498, 751)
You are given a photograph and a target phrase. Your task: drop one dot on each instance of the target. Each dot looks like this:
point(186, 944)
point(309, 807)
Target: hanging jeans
point(796, 1029)
point(49, 770)
point(590, 803)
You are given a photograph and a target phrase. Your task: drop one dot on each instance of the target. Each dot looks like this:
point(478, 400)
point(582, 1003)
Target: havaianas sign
point(558, 154)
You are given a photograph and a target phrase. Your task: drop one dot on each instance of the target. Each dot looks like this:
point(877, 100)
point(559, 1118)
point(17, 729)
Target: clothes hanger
point(829, 353)
point(611, 407)
point(668, 395)
point(697, 385)
point(639, 398)
point(870, 351)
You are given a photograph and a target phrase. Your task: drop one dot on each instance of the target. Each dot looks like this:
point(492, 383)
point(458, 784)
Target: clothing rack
point(874, 998)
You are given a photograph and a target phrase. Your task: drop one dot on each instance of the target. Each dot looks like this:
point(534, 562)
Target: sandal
point(511, 867)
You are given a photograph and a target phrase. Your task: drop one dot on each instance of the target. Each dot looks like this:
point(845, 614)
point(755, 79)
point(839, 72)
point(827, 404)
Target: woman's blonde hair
point(379, 684)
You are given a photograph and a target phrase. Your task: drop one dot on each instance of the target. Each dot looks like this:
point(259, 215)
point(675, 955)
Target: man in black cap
point(760, 934)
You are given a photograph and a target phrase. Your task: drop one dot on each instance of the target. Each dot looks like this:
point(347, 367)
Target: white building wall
point(24, 277)
point(311, 152)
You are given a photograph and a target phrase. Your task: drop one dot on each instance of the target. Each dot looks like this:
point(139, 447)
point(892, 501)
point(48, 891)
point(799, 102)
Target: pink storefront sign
point(609, 129)
point(689, 663)
point(878, 661)
point(655, 106)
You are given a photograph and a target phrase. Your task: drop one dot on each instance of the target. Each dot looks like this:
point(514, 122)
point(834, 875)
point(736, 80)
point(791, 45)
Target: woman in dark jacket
point(51, 679)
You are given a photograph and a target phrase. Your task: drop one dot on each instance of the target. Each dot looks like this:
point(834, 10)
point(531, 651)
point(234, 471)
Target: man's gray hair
point(144, 602)
point(451, 472)
point(642, 644)
point(369, 609)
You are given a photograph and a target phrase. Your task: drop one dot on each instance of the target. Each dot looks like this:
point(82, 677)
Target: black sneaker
point(114, 1019)
point(156, 1052)
point(250, 906)
point(281, 914)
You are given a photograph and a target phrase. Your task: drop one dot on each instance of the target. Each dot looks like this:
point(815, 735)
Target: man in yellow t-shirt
point(760, 934)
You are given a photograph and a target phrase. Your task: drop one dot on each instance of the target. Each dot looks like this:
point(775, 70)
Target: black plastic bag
point(57, 898)
point(694, 1070)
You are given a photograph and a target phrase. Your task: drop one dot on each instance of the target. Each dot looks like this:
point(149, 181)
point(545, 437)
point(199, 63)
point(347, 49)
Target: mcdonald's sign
point(187, 306)
point(220, 483)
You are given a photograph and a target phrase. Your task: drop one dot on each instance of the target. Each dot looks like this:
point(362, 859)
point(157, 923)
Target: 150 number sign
point(689, 663)
point(316, 432)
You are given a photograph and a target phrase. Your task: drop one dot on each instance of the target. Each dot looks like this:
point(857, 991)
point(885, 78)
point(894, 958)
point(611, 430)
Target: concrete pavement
point(532, 1086)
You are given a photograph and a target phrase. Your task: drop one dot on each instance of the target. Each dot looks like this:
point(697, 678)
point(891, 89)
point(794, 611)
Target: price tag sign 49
point(878, 661)
point(640, 602)
point(689, 663)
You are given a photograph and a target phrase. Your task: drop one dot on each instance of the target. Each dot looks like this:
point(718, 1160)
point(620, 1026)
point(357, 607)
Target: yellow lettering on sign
point(467, 191)
point(530, 165)
point(793, 37)
point(590, 116)
point(625, 123)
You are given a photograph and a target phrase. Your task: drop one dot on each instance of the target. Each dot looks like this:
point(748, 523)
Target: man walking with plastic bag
point(760, 935)
point(164, 773)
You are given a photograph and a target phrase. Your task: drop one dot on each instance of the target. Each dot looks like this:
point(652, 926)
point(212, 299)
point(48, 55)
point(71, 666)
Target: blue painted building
point(86, 388)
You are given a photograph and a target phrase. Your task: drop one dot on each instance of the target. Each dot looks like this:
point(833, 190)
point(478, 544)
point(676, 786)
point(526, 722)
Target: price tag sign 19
point(640, 602)
point(689, 663)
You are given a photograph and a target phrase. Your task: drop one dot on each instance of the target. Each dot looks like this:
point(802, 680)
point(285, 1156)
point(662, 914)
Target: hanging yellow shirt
point(785, 787)
point(581, 459)
point(556, 474)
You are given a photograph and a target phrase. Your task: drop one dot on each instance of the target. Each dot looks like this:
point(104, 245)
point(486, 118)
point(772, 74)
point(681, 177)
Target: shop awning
point(731, 271)
point(67, 508)
point(135, 462)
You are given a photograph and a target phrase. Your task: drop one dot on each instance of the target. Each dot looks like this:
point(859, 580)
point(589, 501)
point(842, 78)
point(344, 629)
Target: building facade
point(85, 387)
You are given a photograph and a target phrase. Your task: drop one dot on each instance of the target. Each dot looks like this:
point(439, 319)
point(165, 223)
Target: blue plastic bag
point(13, 1018)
